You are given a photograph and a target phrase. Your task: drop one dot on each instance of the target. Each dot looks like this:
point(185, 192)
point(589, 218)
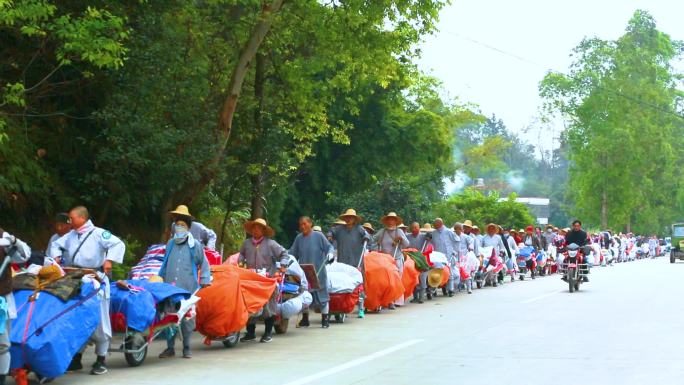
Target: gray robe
point(385, 241)
point(314, 249)
point(180, 266)
point(416, 241)
point(349, 243)
point(264, 256)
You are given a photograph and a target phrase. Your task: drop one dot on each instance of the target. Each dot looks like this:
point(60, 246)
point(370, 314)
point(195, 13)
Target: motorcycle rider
point(579, 237)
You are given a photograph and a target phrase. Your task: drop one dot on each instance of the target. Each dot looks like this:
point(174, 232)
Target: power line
point(528, 61)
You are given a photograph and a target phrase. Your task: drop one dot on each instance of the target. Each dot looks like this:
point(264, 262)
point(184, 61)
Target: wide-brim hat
point(468, 223)
point(155, 278)
point(182, 210)
point(391, 215)
point(402, 226)
point(434, 278)
point(351, 213)
point(317, 228)
point(494, 225)
point(475, 227)
point(339, 222)
point(427, 228)
point(268, 231)
point(368, 227)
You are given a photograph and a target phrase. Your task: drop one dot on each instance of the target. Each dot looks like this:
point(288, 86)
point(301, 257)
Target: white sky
point(539, 31)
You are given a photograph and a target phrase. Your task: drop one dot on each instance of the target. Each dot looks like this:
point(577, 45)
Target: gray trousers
point(186, 328)
point(4, 350)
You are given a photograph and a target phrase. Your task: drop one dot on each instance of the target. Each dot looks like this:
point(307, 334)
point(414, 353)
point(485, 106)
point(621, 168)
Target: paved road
point(622, 328)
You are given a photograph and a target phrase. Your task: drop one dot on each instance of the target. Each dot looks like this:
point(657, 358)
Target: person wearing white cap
point(17, 252)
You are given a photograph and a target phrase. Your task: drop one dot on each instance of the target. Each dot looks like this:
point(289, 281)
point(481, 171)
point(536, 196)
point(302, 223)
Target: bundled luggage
point(383, 283)
point(50, 330)
point(234, 295)
point(410, 278)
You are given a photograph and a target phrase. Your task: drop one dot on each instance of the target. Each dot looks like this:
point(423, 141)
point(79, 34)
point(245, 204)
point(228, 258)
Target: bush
point(482, 209)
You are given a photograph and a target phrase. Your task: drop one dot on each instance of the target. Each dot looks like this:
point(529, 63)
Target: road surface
point(624, 327)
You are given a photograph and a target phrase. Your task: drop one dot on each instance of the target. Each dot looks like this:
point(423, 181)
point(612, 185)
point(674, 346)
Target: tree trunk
point(229, 209)
point(225, 123)
point(257, 201)
point(604, 210)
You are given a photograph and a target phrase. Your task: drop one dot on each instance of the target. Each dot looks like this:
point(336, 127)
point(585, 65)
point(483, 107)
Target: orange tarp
point(382, 283)
point(446, 273)
point(410, 278)
point(234, 294)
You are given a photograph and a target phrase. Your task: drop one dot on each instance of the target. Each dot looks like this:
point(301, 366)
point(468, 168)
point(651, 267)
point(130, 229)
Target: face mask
point(181, 232)
point(506, 234)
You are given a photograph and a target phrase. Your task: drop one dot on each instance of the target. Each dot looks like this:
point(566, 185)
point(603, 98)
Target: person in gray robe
point(350, 240)
point(266, 256)
point(186, 267)
point(447, 242)
point(418, 241)
point(391, 240)
point(311, 247)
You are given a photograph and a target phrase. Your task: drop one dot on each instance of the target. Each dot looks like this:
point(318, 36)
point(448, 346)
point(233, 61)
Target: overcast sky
point(535, 36)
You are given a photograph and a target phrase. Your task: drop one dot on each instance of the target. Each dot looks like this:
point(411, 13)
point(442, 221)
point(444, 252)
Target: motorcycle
point(574, 269)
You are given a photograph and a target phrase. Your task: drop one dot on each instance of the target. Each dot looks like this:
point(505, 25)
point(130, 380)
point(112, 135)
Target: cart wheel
point(479, 285)
point(231, 340)
point(135, 359)
point(281, 326)
point(522, 277)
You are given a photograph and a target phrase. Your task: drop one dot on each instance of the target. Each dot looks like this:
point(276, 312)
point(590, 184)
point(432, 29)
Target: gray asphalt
point(624, 327)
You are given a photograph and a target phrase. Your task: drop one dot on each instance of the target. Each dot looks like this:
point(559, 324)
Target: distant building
point(538, 206)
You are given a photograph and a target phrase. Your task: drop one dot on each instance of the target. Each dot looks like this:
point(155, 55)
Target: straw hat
point(434, 277)
point(427, 228)
point(402, 226)
point(368, 228)
point(182, 210)
point(495, 226)
point(391, 215)
point(475, 227)
point(351, 213)
point(468, 223)
point(317, 228)
point(268, 231)
point(339, 222)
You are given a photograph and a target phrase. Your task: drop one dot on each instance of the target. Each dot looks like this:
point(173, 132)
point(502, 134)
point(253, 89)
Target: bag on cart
point(48, 331)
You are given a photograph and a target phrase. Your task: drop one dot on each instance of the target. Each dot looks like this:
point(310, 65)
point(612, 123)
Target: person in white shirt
point(89, 247)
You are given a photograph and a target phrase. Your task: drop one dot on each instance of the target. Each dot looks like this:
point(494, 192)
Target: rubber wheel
point(135, 359)
point(522, 277)
point(571, 279)
point(343, 317)
point(281, 326)
point(479, 285)
point(577, 286)
point(672, 258)
point(231, 340)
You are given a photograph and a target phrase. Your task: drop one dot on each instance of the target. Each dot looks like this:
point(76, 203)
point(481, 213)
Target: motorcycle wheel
point(571, 279)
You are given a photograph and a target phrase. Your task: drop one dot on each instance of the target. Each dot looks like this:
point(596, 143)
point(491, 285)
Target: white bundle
point(343, 278)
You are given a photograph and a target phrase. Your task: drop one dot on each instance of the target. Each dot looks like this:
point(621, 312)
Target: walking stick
point(363, 252)
point(424, 246)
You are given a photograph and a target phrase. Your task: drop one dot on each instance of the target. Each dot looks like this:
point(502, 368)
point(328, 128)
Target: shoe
point(362, 314)
point(98, 368)
point(420, 301)
point(304, 322)
point(168, 353)
point(429, 296)
point(494, 284)
point(444, 291)
point(266, 338)
point(413, 300)
point(451, 294)
point(187, 353)
point(585, 279)
point(391, 307)
point(325, 321)
point(248, 337)
point(470, 292)
point(75, 363)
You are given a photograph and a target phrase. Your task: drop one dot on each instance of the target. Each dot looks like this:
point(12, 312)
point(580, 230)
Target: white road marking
point(541, 297)
point(353, 363)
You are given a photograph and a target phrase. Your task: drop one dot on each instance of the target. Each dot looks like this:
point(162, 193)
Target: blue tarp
point(526, 252)
point(47, 344)
point(139, 306)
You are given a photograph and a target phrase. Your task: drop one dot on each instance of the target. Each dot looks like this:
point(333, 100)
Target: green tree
point(621, 103)
point(482, 209)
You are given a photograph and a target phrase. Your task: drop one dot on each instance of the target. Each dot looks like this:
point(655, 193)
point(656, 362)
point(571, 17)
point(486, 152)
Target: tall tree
point(623, 110)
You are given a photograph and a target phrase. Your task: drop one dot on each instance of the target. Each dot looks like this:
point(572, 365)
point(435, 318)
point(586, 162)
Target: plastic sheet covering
point(234, 294)
point(383, 283)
